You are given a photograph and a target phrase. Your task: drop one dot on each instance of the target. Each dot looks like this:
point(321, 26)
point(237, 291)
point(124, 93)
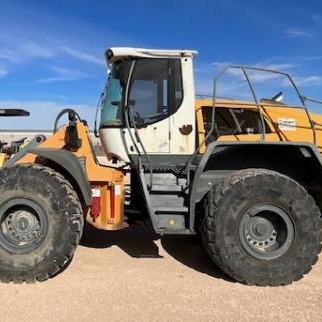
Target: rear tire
point(261, 227)
point(41, 223)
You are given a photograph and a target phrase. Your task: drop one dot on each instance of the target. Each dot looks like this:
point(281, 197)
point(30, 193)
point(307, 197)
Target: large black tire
point(41, 223)
point(261, 227)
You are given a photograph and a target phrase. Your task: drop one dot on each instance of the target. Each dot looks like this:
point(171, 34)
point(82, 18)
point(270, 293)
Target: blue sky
point(52, 51)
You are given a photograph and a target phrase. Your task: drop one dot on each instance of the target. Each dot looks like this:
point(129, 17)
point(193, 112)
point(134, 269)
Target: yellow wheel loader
point(244, 174)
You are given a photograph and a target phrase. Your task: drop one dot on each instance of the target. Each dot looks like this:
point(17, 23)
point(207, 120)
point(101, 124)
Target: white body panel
point(184, 144)
point(113, 144)
point(155, 139)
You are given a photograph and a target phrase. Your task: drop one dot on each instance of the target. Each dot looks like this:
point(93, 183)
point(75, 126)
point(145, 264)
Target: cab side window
point(155, 90)
point(233, 121)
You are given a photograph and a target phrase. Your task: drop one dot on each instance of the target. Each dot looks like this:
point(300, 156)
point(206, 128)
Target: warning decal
point(286, 124)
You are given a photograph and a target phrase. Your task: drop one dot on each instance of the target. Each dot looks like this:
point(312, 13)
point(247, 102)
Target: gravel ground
point(132, 276)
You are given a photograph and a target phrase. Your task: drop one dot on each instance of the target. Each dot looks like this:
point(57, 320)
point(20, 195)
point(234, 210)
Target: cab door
point(154, 95)
point(149, 103)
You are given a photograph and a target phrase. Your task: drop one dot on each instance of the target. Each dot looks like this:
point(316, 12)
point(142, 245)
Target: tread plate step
point(171, 210)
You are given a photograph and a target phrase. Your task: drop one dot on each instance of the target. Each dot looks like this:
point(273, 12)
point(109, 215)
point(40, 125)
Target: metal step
point(171, 196)
point(166, 179)
point(170, 210)
point(167, 231)
point(166, 188)
point(171, 220)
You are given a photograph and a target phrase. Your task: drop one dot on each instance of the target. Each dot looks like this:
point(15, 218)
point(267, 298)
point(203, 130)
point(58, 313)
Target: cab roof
point(116, 53)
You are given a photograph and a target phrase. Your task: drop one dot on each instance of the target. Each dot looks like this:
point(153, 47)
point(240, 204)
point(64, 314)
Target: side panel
point(292, 123)
point(85, 173)
point(156, 137)
point(113, 142)
point(118, 142)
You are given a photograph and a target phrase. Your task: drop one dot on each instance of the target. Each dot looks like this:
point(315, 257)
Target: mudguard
point(68, 161)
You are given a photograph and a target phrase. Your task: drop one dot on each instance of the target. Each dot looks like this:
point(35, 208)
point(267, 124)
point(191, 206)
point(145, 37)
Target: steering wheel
point(72, 114)
point(155, 116)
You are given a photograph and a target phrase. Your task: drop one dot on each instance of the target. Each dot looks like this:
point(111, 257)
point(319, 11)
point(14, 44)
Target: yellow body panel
point(285, 123)
point(302, 130)
point(106, 178)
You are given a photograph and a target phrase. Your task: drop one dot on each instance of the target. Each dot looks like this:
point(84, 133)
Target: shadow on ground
point(139, 242)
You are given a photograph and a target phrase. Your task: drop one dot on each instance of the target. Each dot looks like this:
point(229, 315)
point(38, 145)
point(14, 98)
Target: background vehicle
point(245, 174)
point(8, 149)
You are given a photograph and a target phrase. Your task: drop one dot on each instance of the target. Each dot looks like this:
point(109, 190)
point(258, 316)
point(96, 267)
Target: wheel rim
point(23, 226)
point(266, 231)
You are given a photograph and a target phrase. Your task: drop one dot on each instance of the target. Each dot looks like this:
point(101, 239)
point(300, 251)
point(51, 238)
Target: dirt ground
point(132, 276)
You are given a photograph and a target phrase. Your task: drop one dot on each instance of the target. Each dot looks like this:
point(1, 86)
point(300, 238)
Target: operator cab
point(146, 92)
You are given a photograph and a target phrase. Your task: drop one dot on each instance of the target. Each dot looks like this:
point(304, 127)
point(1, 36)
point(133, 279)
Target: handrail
point(244, 69)
point(138, 138)
point(256, 102)
point(313, 100)
point(129, 114)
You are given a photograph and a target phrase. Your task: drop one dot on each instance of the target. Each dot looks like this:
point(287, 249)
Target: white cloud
point(23, 51)
point(234, 75)
point(220, 65)
point(19, 49)
point(31, 49)
point(64, 74)
point(259, 76)
point(312, 80)
point(277, 66)
point(234, 83)
point(9, 55)
point(83, 56)
point(312, 58)
point(297, 32)
point(42, 114)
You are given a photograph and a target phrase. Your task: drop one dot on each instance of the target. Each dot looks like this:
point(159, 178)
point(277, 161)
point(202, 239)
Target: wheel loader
point(245, 175)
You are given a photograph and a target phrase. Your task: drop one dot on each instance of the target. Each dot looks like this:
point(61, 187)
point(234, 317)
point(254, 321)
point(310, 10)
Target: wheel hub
point(261, 228)
point(266, 231)
point(23, 225)
point(260, 233)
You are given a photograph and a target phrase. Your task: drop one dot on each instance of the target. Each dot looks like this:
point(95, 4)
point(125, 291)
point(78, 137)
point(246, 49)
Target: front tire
point(261, 227)
point(41, 222)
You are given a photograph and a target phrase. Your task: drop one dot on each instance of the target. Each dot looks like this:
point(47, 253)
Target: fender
point(224, 158)
point(68, 161)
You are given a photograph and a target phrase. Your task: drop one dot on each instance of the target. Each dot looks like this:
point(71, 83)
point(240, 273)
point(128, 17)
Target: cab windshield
point(111, 112)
